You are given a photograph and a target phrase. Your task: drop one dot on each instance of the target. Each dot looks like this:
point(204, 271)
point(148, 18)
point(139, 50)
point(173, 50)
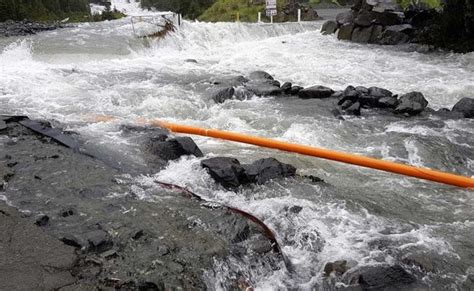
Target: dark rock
point(3, 125)
point(231, 82)
point(388, 102)
point(318, 92)
point(337, 113)
point(465, 106)
point(226, 171)
point(362, 34)
point(295, 90)
point(263, 88)
point(138, 234)
point(339, 267)
point(329, 27)
point(345, 17)
point(295, 209)
point(260, 75)
point(379, 92)
point(346, 104)
point(43, 220)
point(174, 148)
point(314, 179)
point(354, 109)
point(406, 28)
point(99, 241)
point(380, 277)
point(373, 96)
point(191, 61)
point(264, 170)
point(242, 93)
point(345, 32)
point(286, 87)
point(386, 18)
point(362, 90)
point(377, 31)
point(223, 94)
point(411, 103)
point(393, 38)
point(364, 18)
point(67, 212)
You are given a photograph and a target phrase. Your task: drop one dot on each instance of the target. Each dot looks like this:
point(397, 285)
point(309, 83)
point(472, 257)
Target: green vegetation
point(427, 3)
point(44, 10)
point(453, 27)
point(227, 10)
point(108, 14)
point(188, 8)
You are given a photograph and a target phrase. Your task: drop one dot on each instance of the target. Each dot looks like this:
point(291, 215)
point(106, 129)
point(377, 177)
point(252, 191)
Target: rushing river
point(365, 217)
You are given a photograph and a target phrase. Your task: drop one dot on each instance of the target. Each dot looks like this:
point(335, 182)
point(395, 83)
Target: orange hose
point(367, 162)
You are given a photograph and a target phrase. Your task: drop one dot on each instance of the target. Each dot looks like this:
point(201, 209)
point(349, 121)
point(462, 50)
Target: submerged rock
point(223, 94)
point(338, 267)
point(465, 106)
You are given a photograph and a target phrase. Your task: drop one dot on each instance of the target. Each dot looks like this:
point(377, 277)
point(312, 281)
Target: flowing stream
point(363, 216)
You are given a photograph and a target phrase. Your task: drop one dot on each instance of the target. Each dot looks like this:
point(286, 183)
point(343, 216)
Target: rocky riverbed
point(25, 27)
point(80, 226)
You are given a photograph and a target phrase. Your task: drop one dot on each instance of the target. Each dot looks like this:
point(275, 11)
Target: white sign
point(271, 12)
point(271, 4)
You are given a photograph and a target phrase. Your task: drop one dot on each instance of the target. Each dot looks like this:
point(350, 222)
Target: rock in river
point(411, 103)
point(465, 106)
point(318, 92)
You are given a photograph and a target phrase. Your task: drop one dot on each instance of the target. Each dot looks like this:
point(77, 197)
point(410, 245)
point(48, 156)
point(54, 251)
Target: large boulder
point(364, 18)
point(345, 32)
point(411, 103)
point(377, 31)
point(345, 17)
point(373, 96)
point(362, 34)
point(264, 170)
point(286, 88)
point(172, 149)
point(329, 27)
point(318, 92)
point(226, 171)
point(465, 106)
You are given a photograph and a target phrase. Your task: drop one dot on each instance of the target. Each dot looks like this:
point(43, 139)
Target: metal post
point(259, 17)
point(299, 15)
point(271, 18)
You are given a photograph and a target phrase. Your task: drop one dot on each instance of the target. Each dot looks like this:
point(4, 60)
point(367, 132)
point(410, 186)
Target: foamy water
point(75, 74)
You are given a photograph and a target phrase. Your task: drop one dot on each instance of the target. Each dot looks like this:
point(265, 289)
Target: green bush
point(43, 10)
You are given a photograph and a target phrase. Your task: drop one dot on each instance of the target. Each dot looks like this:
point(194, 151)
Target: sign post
point(271, 8)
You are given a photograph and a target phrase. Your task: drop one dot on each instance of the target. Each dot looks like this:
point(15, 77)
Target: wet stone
point(318, 92)
point(338, 267)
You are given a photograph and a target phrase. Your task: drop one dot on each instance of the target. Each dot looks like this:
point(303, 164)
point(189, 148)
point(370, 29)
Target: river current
point(363, 216)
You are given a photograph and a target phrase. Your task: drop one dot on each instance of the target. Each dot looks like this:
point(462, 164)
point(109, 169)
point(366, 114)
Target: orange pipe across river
point(421, 173)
